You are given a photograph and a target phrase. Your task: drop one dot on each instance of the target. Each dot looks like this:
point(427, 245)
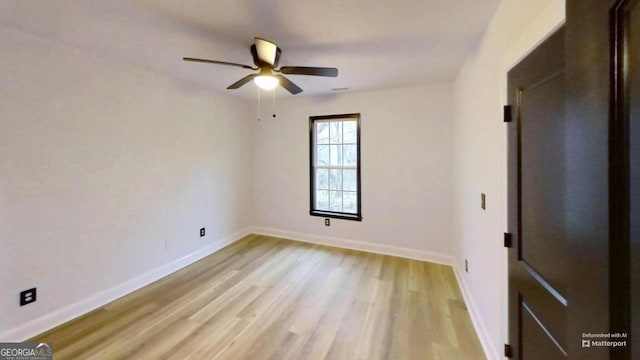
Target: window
point(335, 166)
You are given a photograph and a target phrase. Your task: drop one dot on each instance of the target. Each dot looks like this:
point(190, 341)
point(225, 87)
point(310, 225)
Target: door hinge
point(507, 114)
point(508, 242)
point(508, 352)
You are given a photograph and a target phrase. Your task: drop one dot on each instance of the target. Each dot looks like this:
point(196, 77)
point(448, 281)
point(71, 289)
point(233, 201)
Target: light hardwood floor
point(269, 298)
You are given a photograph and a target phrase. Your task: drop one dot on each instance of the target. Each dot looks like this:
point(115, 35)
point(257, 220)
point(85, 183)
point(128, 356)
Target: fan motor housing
point(259, 63)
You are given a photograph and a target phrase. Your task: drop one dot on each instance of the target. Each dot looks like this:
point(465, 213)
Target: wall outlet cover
point(27, 296)
point(202, 232)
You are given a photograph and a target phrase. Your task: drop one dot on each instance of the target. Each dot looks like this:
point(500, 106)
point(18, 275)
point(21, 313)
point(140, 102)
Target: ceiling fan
point(266, 57)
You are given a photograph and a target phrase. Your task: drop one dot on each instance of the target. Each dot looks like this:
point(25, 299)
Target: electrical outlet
point(327, 222)
point(466, 265)
point(483, 201)
point(27, 296)
point(202, 232)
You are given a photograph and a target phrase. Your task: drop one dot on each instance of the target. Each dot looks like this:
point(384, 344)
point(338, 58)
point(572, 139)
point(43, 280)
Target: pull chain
point(274, 103)
point(259, 104)
point(273, 99)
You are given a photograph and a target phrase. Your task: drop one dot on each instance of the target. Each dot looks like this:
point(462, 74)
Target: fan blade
point(315, 71)
point(266, 51)
point(289, 85)
point(219, 63)
point(242, 81)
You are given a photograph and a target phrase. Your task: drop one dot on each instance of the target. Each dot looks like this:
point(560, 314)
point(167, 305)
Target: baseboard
point(483, 335)
point(356, 245)
point(60, 316)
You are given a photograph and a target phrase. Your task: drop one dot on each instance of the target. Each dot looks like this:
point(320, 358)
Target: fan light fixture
point(266, 82)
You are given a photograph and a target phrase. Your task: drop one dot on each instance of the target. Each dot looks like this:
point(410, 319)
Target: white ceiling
point(374, 43)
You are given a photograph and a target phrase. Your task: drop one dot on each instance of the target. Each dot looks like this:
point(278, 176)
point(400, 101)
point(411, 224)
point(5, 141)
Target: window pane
point(335, 181)
point(350, 202)
point(349, 132)
point(322, 132)
point(322, 200)
point(322, 155)
point(349, 180)
point(335, 200)
point(335, 134)
point(336, 155)
point(322, 179)
point(350, 155)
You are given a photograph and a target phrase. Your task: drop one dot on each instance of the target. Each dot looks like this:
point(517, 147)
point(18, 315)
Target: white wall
point(107, 172)
point(406, 170)
point(479, 143)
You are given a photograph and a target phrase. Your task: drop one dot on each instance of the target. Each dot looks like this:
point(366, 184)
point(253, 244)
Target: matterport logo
point(26, 351)
point(611, 340)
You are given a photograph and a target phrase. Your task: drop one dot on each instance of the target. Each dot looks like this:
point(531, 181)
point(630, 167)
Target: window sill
point(334, 215)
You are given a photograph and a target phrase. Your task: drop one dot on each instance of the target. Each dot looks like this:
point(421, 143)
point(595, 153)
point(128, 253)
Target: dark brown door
point(537, 188)
point(574, 197)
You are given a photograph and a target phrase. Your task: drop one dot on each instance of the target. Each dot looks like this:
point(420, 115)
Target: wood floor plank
point(269, 298)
